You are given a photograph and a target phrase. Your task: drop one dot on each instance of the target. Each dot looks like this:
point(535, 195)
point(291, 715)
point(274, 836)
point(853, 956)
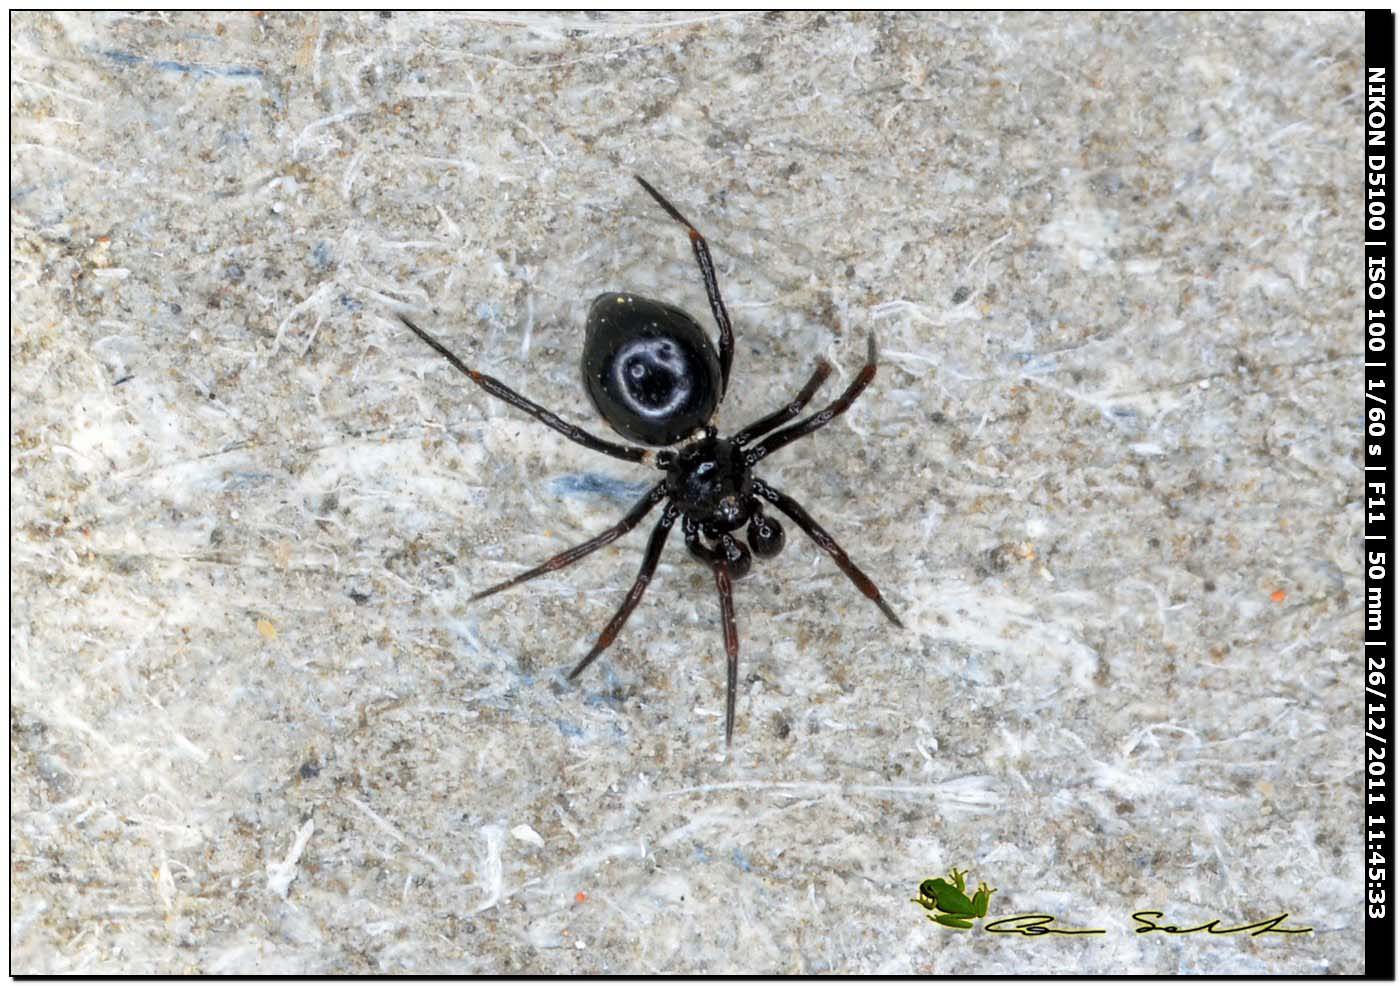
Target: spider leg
point(634, 517)
point(827, 543)
point(494, 387)
point(707, 272)
point(791, 410)
point(731, 646)
point(823, 417)
point(659, 533)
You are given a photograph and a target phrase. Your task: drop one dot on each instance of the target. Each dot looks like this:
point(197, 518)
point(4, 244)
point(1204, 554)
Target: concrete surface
point(1107, 473)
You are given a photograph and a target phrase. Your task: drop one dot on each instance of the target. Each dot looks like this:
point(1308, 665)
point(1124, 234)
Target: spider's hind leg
point(707, 274)
point(826, 415)
point(788, 411)
point(498, 390)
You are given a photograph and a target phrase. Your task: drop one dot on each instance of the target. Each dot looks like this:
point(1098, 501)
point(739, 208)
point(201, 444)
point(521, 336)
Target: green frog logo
point(948, 903)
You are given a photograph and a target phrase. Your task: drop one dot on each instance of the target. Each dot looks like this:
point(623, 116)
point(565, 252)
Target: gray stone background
point(1108, 474)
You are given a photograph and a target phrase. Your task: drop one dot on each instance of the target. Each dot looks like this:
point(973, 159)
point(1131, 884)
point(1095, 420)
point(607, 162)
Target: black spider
point(656, 379)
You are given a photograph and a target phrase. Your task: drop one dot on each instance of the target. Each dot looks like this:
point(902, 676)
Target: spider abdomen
point(649, 368)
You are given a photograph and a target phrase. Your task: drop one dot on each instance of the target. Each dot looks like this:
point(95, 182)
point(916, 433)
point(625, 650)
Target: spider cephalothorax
point(656, 379)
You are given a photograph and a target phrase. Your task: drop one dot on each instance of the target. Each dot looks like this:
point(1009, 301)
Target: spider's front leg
point(725, 586)
point(659, 533)
point(565, 558)
point(827, 543)
point(721, 560)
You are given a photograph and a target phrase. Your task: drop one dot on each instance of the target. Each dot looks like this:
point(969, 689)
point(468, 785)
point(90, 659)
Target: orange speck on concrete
point(580, 897)
point(1279, 596)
